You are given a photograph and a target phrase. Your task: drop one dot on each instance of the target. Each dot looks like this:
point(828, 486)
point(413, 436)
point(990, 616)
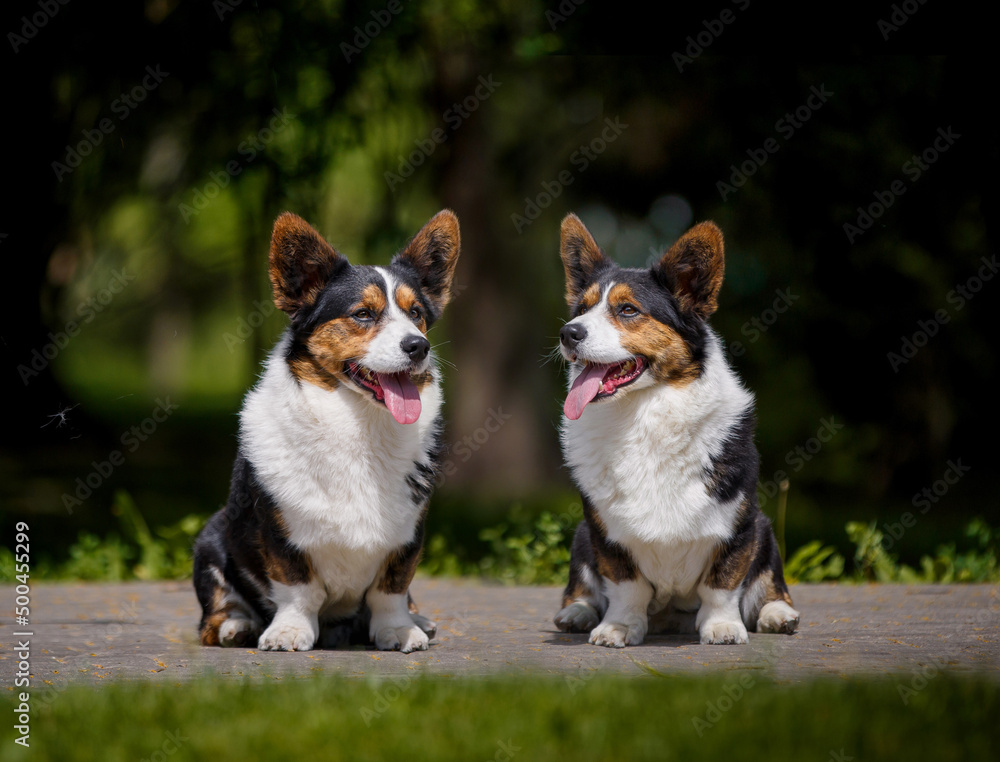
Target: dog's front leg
point(626, 621)
point(392, 625)
point(296, 622)
point(628, 593)
point(719, 619)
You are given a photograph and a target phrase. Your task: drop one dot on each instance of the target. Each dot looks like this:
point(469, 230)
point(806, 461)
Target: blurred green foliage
point(523, 550)
point(979, 563)
point(814, 563)
point(133, 552)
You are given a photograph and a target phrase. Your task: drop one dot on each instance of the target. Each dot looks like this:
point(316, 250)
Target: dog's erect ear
point(692, 269)
point(433, 255)
point(581, 256)
point(301, 263)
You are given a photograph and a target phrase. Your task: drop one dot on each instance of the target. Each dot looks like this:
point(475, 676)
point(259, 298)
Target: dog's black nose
point(415, 347)
point(572, 334)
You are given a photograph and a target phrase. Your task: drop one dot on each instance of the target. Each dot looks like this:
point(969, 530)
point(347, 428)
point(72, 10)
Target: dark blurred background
point(151, 145)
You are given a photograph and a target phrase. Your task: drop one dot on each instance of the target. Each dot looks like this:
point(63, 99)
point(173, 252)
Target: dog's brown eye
point(364, 315)
point(581, 309)
point(628, 310)
point(415, 313)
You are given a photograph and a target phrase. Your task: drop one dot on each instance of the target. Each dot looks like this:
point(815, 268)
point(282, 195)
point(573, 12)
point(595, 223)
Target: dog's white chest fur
point(643, 460)
point(337, 466)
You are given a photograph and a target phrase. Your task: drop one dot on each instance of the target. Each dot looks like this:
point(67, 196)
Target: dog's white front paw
point(618, 634)
point(577, 617)
point(287, 636)
point(777, 616)
point(405, 639)
point(721, 631)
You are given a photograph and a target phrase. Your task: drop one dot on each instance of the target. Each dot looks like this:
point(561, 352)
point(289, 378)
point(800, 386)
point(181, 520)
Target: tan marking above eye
point(620, 296)
point(590, 297)
point(406, 300)
point(372, 299)
point(405, 297)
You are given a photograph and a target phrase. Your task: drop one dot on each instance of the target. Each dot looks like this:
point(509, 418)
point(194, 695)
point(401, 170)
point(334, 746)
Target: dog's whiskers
point(553, 354)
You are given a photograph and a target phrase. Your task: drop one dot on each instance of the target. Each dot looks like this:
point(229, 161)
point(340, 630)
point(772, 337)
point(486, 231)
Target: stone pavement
point(146, 631)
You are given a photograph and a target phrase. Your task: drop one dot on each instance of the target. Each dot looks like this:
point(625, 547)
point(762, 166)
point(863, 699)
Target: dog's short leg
point(583, 604)
point(625, 622)
point(425, 624)
point(614, 573)
point(232, 625)
point(765, 603)
point(719, 619)
point(395, 625)
point(422, 622)
point(578, 616)
point(295, 626)
point(392, 626)
point(227, 619)
point(239, 630)
point(721, 590)
point(777, 616)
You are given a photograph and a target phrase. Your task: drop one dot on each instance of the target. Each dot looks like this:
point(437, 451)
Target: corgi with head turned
point(339, 445)
point(658, 432)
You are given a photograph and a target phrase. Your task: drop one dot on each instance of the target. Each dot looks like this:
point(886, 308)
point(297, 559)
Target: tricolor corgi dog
point(658, 434)
point(339, 445)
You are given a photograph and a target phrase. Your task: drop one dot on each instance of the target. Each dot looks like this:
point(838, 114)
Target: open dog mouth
point(597, 381)
point(394, 390)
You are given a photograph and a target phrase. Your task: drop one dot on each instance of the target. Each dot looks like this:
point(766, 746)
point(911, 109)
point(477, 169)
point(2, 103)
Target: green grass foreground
point(731, 716)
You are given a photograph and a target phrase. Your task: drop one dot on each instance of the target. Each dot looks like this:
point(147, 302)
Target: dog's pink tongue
point(584, 389)
point(401, 396)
